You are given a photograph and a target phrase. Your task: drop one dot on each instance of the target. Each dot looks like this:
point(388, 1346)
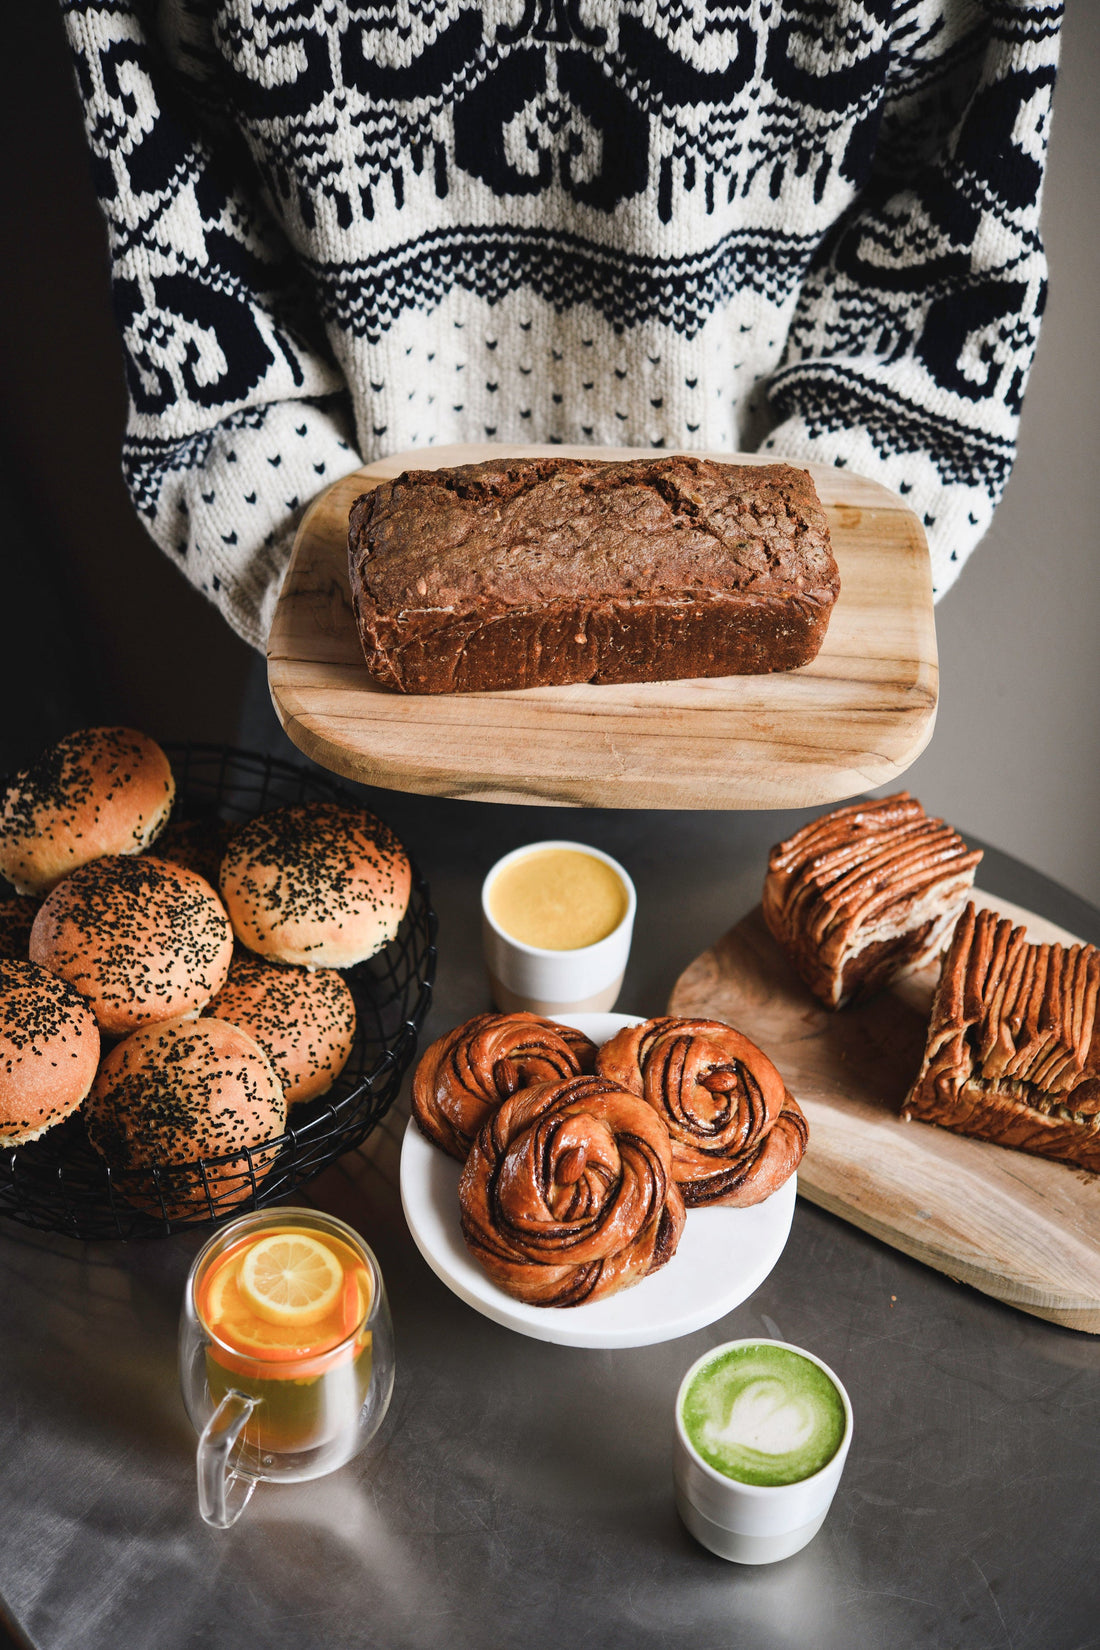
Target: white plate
point(723, 1255)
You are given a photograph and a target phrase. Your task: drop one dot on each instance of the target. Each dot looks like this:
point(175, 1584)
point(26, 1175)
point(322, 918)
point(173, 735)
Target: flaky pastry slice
point(865, 894)
point(1011, 1054)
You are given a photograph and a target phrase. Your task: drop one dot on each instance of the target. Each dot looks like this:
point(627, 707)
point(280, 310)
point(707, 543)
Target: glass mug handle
point(223, 1493)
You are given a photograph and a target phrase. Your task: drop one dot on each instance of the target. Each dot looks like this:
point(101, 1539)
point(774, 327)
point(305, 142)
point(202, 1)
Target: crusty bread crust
point(539, 572)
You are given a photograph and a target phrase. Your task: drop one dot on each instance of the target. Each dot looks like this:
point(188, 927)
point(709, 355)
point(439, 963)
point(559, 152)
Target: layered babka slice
point(1011, 1054)
point(866, 893)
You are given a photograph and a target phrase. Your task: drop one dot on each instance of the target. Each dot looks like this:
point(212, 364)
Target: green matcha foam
point(764, 1415)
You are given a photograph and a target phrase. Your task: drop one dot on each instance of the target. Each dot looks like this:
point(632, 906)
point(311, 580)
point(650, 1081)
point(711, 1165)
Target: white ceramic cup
point(753, 1523)
point(582, 981)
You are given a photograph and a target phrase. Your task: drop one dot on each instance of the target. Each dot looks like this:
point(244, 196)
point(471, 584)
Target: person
point(339, 231)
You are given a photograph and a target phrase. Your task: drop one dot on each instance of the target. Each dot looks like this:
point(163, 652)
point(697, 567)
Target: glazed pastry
point(568, 1195)
point(865, 894)
point(465, 1075)
point(737, 1134)
point(1012, 1053)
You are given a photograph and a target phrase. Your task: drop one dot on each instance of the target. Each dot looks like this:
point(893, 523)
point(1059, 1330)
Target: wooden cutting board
point(1017, 1227)
point(855, 718)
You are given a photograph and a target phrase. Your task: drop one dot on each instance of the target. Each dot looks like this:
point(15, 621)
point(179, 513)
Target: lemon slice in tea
point(290, 1278)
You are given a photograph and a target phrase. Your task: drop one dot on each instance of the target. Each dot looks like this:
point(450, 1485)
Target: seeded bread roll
point(196, 844)
point(49, 1047)
point(322, 885)
point(535, 572)
point(99, 791)
point(141, 940)
point(302, 1018)
point(180, 1092)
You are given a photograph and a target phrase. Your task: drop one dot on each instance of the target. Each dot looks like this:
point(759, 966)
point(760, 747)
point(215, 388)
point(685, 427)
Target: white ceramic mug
point(753, 1523)
point(586, 980)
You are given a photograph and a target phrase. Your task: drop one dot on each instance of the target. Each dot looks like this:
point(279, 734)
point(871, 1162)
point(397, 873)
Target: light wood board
point(854, 718)
point(1020, 1228)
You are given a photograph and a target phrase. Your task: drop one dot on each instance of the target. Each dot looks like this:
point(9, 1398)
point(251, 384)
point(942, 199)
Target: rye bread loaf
point(536, 572)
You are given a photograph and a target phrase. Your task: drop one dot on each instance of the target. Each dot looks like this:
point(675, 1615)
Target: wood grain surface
point(854, 718)
point(1017, 1227)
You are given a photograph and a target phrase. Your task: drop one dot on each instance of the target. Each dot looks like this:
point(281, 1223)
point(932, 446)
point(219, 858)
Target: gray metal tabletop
point(520, 1493)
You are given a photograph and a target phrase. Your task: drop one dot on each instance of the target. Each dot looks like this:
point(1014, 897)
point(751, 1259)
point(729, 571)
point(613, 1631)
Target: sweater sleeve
point(915, 330)
point(237, 412)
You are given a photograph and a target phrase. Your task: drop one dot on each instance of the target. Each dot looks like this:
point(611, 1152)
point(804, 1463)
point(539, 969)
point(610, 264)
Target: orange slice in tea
point(289, 1278)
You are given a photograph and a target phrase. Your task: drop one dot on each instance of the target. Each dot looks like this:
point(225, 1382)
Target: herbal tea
point(284, 1309)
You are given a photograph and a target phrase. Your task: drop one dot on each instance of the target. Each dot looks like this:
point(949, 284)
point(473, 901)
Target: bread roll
point(99, 791)
point(141, 940)
point(177, 1093)
point(322, 885)
point(302, 1018)
point(49, 1046)
point(196, 844)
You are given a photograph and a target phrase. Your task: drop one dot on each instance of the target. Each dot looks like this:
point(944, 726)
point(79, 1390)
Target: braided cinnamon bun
point(568, 1195)
point(737, 1133)
point(464, 1076)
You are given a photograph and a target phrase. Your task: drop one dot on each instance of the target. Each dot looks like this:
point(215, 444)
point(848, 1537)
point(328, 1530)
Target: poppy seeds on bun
point(140, 939)
point(303, 1019)
point(178, 1094)
point(49, 1048)
point(323, 885)
point(99, 791)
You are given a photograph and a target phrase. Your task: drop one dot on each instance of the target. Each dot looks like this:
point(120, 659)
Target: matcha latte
point(763, 1414)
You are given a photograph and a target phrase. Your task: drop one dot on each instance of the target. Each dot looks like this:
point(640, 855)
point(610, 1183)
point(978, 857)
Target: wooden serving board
point(854, 718)
point(1017, 1227)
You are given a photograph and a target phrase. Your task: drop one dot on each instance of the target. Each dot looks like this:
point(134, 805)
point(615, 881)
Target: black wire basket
point(60, 1184)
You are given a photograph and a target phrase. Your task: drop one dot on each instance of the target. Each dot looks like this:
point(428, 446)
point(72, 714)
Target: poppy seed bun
point(98, 791)
point(141, 940)
point(49, 1048)
point(196, 844)
point(177, 1093)
point(322, 885)
point(302, 1018)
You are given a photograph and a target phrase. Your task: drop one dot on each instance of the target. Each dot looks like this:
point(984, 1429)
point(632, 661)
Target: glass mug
point(286, 1354)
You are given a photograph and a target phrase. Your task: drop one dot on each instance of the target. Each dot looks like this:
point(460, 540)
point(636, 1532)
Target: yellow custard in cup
point(557, 919)
point(558, 899)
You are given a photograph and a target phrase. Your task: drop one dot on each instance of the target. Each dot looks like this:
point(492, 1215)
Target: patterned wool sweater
point(339, 230)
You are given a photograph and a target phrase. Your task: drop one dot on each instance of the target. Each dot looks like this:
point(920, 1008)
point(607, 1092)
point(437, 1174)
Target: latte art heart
point(766, 1418)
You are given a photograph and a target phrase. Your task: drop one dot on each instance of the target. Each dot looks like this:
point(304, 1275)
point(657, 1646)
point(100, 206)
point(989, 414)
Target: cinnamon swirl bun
point(464, 1076)
point(737, 1133)
point(568, 1196)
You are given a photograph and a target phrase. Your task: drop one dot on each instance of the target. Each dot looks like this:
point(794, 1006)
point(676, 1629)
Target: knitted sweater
point(341, 229)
